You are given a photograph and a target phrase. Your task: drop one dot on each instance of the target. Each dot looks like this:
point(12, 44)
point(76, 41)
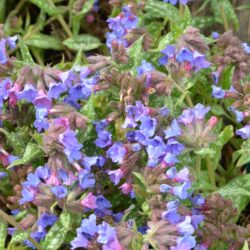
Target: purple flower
point(106, 233)
point(172, 214)
point(174, 2)
point(197, 200)
point(148, 126)
point(88, 162)
point(11, 41)
point(134, 114)
point(181, 176)
point(79, 241)
point(200, 111)
point(116, 152)
point(215, 35)
point(46, 219)
point(4, 90)
point(182, 191)
point(42, 101)
point(145, 67)
point(28, 195)
point(244, 132)
point(56, 89)
point(246, 48)
point(43, 172)
point(156, 149)
point(239, 115)
point(41, 121)
point(59, 191)
point(197, 219)
point(79, 92)
point(187, 242)
point(174, 146)
point(28, 93)
point(170, 159)
point(86, 179)
point(2, 175)
point(173, 131)
point(200, 61)
point(32, 181)
point(187, 117)
point(186, 227)
point(3, 55)
point(216, 75)
point(101, 125)
point(102, 203)
point(185, 55)
point(104, 139)
point(115, 175)
point(168, 52)
point(88, 226)
point(218, 92)
point(71, 145)
point(89, 201)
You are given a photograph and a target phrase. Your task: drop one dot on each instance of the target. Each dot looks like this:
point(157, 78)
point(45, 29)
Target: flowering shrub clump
point(140, 143)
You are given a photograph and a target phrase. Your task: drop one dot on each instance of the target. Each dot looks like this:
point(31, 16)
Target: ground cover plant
point(123, 125)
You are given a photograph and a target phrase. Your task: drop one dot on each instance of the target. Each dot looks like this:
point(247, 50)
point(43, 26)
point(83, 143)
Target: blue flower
point(104, 139)
point(46, 219)
point(173, 131)
point(116, 152)
point(172, 214)
point(28, 93)
point(185, 55)
point(148, 126)
point(88, 226)
point(3, 55)
point(244, 132)
point(145, 67)
point(32, 181)
point(59, 191)
point(43, 172)
point(186, 227)
point(115, 175)
point(27, 196)
point(2, 175)
point(71, 145)
point(168, 52)
point(186, 242)
point(86, 179)
point(79, 241)
point(106, 233)
point(56, 89)
point(215, 35)
point(218, 92)
point(41, 121)
point(101, 125)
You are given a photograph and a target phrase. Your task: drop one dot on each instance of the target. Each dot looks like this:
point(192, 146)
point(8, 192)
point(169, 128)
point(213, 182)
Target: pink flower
point(89, 201)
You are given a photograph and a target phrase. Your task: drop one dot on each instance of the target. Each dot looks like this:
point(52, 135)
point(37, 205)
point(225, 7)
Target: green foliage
point(237, 190)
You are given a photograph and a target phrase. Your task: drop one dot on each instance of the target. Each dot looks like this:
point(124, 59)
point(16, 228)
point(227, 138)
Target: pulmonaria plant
point(125, 151)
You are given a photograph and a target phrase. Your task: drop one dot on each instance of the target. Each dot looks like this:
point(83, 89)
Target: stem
point(187, 96)
point(181, 8)
point(211, 172)
point(223, 15)
point(62, 21)
point(11, 221)
point(198, 165)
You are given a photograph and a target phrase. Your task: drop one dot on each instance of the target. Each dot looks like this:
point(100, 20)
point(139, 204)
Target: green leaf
point(59, 231)
point(202, 182)
point(237, 190)
point(25, 52)
point(164, 10)
point(245, 247)
point(85, 42)
point(2, 10)
point(242, 155)
point(224, 9)
point(227, 77)
point(48, 8)
point(18, 237)
point(140, 188)
point(205, 152)
point(222, 139)
point(3, 233)
point(44, 42)
point(31, 152)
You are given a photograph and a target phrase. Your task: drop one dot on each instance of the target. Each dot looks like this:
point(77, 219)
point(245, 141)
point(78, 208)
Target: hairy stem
point(11, 221)
point(211, 172)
